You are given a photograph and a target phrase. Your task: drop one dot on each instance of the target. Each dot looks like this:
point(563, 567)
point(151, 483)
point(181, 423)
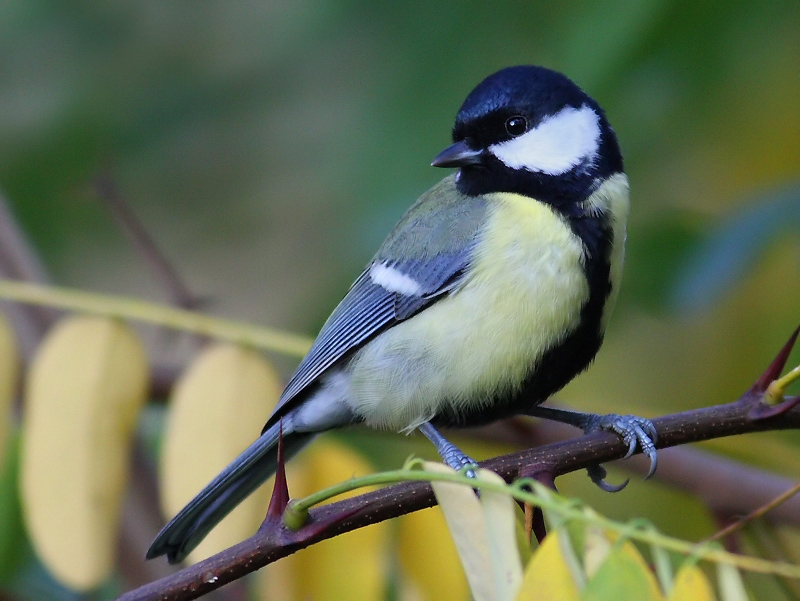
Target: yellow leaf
point(464, 516)
point(501, 528)
point(218, 407)
point(9, 372)
point(691, 584)
point(547, 575)
point(623, 575)
point(429, 558)
point(84, 392)
point(351, 567)
point(597, 546)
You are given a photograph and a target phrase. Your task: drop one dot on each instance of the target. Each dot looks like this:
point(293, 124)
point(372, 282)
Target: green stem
point(778, 387)
point(565, 508)
point(161, 315)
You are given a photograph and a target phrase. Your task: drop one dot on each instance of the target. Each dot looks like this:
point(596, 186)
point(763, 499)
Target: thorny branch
point(274, 540)
point(684, 468)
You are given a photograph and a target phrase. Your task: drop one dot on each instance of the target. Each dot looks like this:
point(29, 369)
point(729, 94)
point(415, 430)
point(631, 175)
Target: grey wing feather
point(436, 277)
point(365, 309)
point(368, 309)
point(246, 473)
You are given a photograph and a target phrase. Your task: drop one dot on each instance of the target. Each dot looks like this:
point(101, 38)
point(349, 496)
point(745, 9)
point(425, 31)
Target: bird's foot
point(635, 432)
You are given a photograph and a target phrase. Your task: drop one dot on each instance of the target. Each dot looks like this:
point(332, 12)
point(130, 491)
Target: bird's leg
point(450, 453)
point(635, 432)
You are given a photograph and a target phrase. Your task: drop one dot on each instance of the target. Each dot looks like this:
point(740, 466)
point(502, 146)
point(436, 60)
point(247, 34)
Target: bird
point(490, 294)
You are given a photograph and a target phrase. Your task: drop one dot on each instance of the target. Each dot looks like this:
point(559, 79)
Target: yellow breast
point(524, 293)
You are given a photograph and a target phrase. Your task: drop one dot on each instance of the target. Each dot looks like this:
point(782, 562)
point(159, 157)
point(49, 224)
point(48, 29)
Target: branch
point(166, 275)
point(274, 541)
point(724, 485)
point(19, 261)
point(754, 515)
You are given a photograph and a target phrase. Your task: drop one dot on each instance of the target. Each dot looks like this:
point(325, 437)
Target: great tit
point(492, 292)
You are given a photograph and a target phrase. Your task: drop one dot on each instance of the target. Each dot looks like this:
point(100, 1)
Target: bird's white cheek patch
point(556, 145)
point(391, 279)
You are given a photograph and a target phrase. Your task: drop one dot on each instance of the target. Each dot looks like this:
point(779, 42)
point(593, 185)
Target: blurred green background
point(269, 146)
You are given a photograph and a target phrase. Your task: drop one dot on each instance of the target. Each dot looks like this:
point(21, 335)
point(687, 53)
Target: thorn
point(527, 509)
point(315, 528)
point(765, 411)
point(280, 491)
point(773, 372)
point(546, 478)
point(534, 517)
point(537, 524)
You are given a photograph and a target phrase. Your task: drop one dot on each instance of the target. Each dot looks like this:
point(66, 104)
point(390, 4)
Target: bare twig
point(725, 486)
point(179, 294)
point(754, 515)
point(271, 544)
point(19, 261)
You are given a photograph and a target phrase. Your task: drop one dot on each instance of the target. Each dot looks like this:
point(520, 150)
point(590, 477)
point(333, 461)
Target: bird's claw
point(635, 432)
point(598, 475)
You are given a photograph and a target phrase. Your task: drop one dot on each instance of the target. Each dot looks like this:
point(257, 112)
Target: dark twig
point(754, 515)
point(165, 273)
point(19, 261)
point(271, 544)
point(725, 486)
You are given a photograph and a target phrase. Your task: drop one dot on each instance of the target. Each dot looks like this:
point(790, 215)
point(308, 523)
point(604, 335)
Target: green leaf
point(597, 547)
point(623, 575)
point(731, 587)
point(501, 524)
point(12, 532)
point(484, 533)
point(663, 567)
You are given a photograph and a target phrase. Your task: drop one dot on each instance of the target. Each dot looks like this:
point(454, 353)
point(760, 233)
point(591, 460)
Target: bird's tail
point(247, 472)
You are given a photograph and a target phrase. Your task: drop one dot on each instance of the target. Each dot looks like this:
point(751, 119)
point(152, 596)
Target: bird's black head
point(532, 131)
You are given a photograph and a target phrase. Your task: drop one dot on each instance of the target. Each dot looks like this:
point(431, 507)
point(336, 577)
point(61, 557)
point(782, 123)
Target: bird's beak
point(457, 155)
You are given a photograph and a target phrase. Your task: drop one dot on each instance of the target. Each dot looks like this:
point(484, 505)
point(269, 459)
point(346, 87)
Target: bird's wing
point(386, 293)
point(424, 257)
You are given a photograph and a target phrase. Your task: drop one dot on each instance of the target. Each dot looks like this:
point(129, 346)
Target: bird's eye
point(516, 126)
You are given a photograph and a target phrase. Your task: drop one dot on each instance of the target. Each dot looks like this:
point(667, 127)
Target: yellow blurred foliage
point(218, 408)
point(84, 391)
point(547, 575)
point(428, 558)
point(351, 567)
point(691, 584)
